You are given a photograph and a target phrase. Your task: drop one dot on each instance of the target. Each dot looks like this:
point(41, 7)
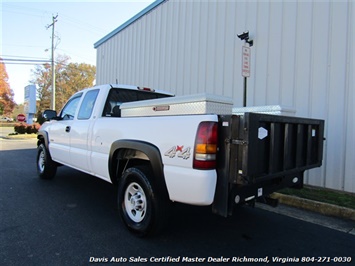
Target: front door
point(80, 133)
point(60, 131)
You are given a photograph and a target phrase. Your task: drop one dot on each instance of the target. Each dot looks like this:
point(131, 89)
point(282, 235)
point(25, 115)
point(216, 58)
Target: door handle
point(67, 129)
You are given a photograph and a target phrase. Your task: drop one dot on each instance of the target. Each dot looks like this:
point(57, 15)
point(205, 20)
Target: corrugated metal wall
point(303, 57)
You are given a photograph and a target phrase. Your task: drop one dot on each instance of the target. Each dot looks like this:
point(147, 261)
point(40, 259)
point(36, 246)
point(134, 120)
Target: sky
point(25, 34)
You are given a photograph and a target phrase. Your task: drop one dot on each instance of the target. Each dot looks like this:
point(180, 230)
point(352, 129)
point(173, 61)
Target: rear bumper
point(264, 187)
point(195, 187)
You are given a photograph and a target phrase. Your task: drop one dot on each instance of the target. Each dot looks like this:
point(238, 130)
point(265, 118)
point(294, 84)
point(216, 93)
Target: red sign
point(245, 61)
point(21, 118)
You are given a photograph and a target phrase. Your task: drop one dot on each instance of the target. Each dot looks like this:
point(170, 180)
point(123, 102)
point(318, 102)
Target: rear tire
point(142, 210)
point(46, 168)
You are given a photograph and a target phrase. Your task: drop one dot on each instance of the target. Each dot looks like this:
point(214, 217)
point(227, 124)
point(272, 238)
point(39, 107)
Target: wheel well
point(126, 153)
point(40, 140)
point(124, 159)
point(42, 137)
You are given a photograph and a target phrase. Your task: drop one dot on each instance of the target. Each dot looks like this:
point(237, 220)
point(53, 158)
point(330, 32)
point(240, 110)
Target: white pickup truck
point(158, 149)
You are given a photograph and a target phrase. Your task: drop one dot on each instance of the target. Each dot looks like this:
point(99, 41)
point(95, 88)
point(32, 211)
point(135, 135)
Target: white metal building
point(302, 58)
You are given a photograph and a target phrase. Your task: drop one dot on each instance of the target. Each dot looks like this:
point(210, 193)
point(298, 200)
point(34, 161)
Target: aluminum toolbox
point(268, 109)
point(179, 105)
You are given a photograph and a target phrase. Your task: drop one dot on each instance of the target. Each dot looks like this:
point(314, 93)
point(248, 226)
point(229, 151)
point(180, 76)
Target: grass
point(22, 136)
point(8, 124)
point(6, 127)
point(339, 198)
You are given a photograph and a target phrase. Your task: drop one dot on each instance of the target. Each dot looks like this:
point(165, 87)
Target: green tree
point(7, 103)
point(70, 78)
point(43, 80)
point(73, 78)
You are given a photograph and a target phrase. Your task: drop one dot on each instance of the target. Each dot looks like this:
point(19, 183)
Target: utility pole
point(54, 20)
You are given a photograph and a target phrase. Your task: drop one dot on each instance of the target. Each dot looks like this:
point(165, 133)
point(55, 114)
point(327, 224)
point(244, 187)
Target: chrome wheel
point(135, 202)
point(41, 161)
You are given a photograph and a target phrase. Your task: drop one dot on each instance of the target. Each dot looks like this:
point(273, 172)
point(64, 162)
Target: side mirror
point(49, 114)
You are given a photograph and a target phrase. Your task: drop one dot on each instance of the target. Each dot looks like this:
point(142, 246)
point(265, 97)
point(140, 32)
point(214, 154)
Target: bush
point(23, 128)
point(36, 127)
point(20, 128)
point(29, 129)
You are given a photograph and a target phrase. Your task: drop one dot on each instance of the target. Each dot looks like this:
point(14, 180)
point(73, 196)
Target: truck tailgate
point(261, 153)
point(280, 144)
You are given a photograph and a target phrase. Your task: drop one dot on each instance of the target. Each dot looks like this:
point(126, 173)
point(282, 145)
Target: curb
point(18, 137)
point(315, 206)
point(5, 138)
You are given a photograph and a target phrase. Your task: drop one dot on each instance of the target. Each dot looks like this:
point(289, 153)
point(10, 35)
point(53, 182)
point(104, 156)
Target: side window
point(87, 105)
point(118, 96)
point(112, 105)
point(69, 109)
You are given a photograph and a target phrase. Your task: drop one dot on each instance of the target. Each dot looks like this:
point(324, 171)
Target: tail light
point(206, 146)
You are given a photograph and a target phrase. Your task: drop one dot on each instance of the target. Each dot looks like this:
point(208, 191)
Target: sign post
point(245, 71)
point(245, 62)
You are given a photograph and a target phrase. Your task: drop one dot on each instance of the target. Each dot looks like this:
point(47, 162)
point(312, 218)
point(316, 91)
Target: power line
point(23, 45)
point(21, 56)
point(26, 60)
point(68, 20)
point(20, 63)
point(23, 60)
point(34, 63)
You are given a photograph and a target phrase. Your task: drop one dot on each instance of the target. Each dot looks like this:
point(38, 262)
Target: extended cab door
point(59, 132)
point(80, 132)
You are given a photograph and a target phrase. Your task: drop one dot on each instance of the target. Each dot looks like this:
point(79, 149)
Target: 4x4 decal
point(178, 151)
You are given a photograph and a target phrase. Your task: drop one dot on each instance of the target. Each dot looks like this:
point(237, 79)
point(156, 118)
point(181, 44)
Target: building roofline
point(128, 22)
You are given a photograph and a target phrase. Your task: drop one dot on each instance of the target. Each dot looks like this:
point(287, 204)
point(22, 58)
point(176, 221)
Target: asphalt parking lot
point(72, 220)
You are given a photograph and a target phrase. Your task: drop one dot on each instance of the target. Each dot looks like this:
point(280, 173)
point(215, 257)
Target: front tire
point(46, 168)
point(142, 210)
